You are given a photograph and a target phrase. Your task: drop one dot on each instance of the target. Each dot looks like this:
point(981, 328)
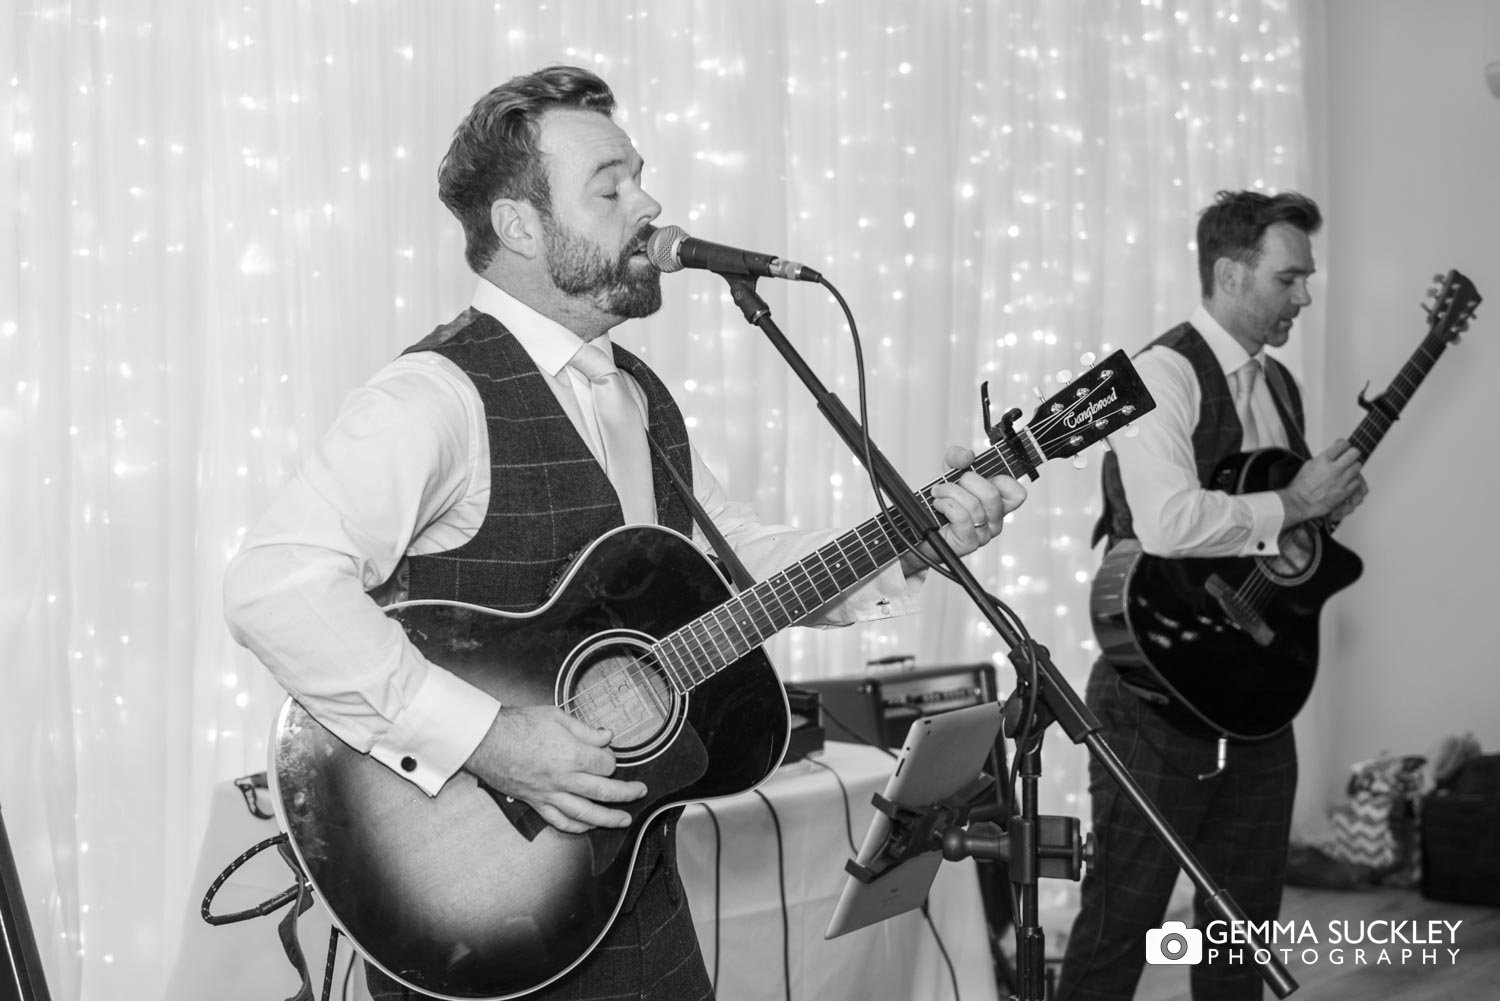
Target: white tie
point(627, 457)
point(1245, 378)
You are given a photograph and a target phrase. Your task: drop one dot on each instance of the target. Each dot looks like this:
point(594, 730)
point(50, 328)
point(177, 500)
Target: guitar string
point(636, 666)
point(1259, 587)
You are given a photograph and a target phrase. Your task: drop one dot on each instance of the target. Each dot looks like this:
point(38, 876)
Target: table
point(893, 961)
point(896, 959)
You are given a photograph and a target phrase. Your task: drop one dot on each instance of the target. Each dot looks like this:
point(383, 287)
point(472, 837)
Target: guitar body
point(1233, 639)
point(469, 895)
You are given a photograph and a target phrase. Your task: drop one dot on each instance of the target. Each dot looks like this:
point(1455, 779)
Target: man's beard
point(579, 268)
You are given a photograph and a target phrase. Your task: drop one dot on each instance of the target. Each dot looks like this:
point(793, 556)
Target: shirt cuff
point(437, 731)
point(1267, 514)
point(886, 595)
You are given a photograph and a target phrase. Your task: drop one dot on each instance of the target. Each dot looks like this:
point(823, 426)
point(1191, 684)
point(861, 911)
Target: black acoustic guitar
point(468, 894)
point(1234, 640)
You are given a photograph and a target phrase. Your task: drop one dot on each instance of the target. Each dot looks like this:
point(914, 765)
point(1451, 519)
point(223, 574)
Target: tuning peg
point(1080, 462)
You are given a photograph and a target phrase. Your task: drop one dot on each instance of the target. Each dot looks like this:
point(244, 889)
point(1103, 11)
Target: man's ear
point(1228, 276)
point(517, 225)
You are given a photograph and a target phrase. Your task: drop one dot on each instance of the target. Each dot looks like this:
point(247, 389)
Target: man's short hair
point(496, 154)
point(1234, 225)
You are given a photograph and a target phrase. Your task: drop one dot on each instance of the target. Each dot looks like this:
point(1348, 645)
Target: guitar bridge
point(1238, 612)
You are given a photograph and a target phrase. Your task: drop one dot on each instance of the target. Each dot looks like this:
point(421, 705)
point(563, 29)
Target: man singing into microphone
point(477, 464)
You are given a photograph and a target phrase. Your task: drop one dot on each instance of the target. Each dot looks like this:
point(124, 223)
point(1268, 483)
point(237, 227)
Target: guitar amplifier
point(806, 734)
point(879, 708)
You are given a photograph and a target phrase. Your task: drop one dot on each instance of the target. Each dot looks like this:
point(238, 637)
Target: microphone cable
point(786, 921)
point(1028, 671)
point(718, 894)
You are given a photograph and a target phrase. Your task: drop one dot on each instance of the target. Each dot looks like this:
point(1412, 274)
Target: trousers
point(1237, 824)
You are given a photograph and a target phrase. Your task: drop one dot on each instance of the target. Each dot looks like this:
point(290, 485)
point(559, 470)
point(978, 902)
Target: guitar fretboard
point(1388, 406)
point(703, 647)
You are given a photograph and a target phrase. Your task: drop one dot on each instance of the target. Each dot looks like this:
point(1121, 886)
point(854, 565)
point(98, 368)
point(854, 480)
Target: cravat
point(627, 458)
point(1245, 378)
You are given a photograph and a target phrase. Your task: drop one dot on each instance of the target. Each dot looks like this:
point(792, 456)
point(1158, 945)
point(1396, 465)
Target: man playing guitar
point(1217, 393)
point(473, 468)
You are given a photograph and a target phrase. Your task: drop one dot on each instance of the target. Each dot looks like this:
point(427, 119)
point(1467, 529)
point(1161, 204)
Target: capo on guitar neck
point(1006, 432)
point(1385, 406)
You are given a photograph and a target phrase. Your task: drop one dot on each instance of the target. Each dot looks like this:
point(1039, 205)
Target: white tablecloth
point(894, 961)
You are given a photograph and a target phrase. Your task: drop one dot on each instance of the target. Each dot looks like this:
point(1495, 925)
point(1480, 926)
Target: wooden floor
point(1473, 973)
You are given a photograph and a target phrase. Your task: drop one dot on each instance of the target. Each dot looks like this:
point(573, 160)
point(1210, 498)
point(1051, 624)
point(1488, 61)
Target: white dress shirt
point(405, 471)
point(1173, 514)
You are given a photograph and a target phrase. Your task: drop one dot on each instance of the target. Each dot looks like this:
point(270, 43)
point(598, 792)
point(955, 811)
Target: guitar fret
point(718, 614)
point(671, 663)
point(698, 631)
point(676, 649)
point(1066, 423)
point(764, 624)
point(1377, 421)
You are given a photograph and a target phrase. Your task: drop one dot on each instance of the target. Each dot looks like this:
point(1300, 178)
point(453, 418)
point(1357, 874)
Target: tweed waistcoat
point(549, 498)
point(1218, 433)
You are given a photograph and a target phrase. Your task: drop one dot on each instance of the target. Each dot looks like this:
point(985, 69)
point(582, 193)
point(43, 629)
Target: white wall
point(1413, 189)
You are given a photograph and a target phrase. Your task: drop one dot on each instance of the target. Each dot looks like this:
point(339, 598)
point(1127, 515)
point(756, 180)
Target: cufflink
point(408, 764)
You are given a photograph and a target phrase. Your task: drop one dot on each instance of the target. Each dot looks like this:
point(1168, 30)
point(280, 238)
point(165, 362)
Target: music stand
point(937, 778)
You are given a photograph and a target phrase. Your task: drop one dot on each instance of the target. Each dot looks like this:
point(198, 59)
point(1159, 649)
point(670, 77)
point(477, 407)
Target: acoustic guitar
point(468, 894)
point(1234, 640)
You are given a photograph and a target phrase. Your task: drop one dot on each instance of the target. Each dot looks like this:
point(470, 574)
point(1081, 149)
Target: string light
point(233, 250)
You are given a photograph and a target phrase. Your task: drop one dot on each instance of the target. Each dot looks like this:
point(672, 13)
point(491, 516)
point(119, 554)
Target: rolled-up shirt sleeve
point(398, 455)
point(1172, 513)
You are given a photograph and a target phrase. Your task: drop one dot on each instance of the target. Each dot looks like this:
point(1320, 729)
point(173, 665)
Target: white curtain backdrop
point(223, 216)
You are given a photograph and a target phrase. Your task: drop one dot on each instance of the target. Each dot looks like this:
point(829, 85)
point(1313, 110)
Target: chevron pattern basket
point(1377, 827)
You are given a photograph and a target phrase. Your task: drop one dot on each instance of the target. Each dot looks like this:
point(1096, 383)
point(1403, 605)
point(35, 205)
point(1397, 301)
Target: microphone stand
point(23, 978)
point(1056, 700)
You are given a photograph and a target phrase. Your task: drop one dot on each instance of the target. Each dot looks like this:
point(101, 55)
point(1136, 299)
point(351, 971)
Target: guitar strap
point(742, 578)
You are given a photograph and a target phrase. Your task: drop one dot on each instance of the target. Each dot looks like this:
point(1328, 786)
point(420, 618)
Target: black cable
point(1030, 670)
point(848, 819)
point(855, 733)
point(718, 896)
point(348, 975)
point(786, 921)
point(259, 910)
point(333, 956)
point(952, 974)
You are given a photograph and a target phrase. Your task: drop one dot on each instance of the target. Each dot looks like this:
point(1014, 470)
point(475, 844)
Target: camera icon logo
point(1174, 944)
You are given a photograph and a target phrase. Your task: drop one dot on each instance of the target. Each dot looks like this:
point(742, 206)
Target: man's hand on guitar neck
point(1328, 485)
point(555, 764)
point(974, 507)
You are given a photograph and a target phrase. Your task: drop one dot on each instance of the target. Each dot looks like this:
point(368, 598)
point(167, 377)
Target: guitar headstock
point(1098, 403)
point(1453, 305)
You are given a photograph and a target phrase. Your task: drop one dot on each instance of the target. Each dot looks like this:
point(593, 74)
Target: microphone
point(671, 249)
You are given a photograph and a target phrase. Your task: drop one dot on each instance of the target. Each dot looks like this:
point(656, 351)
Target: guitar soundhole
point(1301, 551)
point(616, 682)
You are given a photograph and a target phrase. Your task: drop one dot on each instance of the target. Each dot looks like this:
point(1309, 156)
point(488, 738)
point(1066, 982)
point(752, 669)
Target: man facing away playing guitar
point(1254, 261)
point(416, 475)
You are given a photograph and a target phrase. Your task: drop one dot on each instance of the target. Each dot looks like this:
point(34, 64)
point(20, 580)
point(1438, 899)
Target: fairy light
point(230, 276)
